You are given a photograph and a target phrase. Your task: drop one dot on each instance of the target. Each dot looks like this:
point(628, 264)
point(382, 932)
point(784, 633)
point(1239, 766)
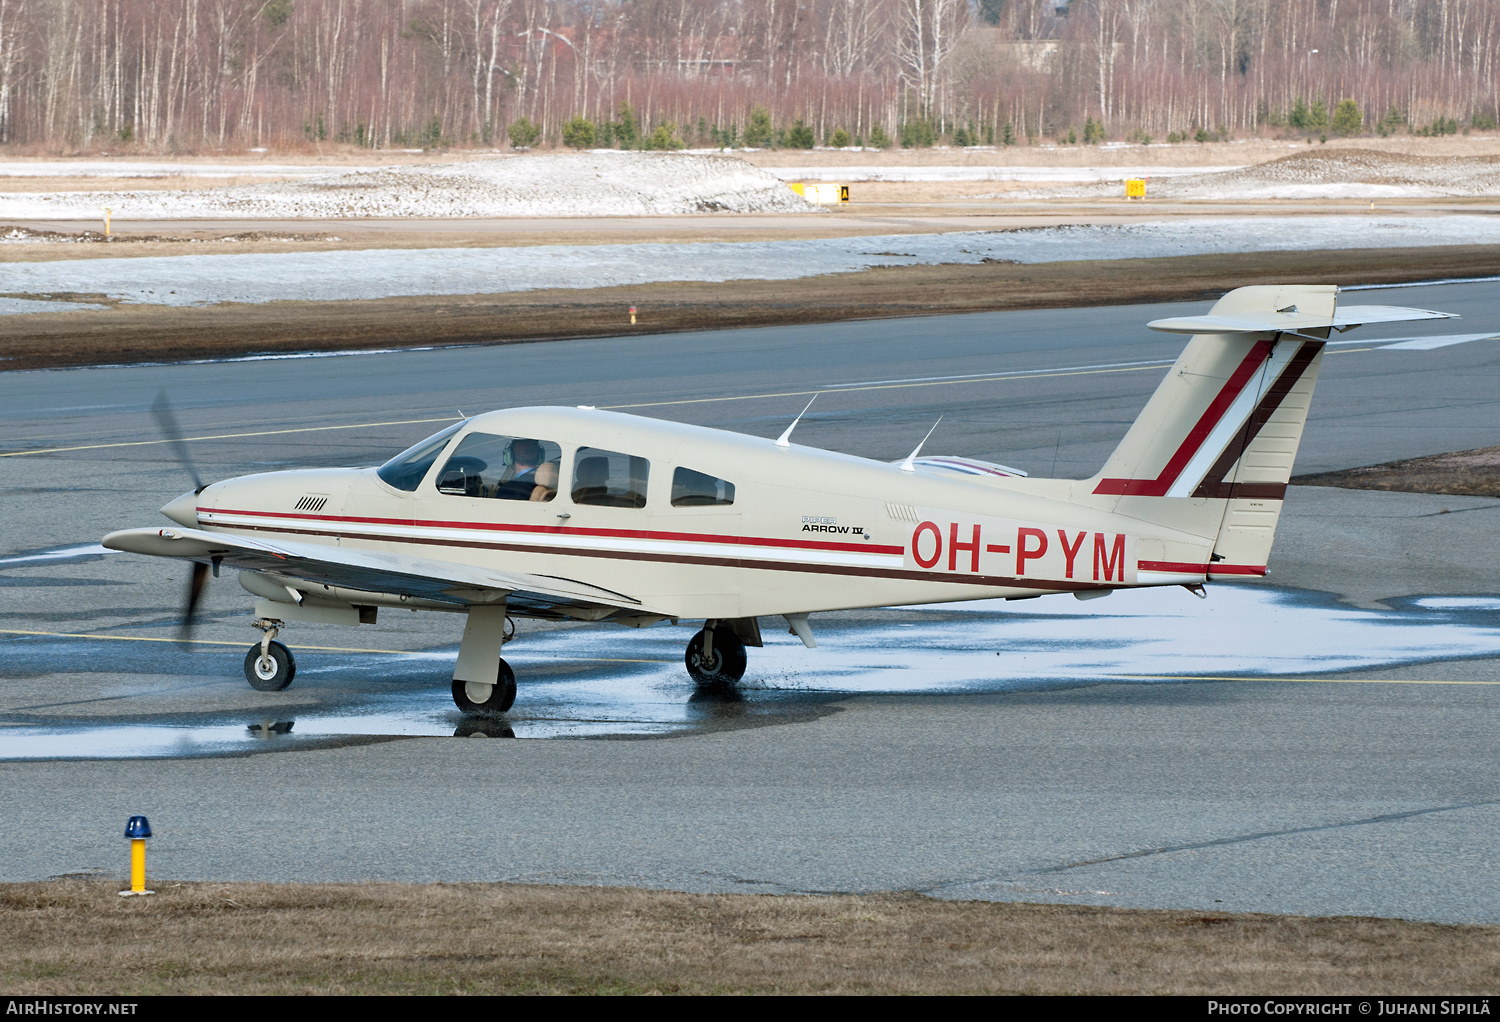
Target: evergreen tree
point(626, 128)
point(758, 129)
point(1347, 119)
point(799, 136)
point(523, 134)
point(578, 133)
point(664, 137)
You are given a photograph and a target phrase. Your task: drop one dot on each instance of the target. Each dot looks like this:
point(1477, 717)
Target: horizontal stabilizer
point(1291, 321)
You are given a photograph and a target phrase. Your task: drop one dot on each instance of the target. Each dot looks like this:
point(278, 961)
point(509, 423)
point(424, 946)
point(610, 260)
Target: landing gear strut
point(486, 632)
point(715, 656)
point(269, 666)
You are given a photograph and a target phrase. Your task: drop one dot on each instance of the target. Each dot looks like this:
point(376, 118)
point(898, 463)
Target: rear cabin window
point(501, 467)
point(698, 489)
point(407, 470)
point(609, 478)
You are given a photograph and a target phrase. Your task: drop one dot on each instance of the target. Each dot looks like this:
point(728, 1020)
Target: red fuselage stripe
point(1186, 568)
point(565, 530)
point(1178, 566)
point(1205, 425)
point(997, 581)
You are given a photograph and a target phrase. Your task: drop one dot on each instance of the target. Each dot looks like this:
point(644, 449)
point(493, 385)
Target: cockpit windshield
point(407, 470)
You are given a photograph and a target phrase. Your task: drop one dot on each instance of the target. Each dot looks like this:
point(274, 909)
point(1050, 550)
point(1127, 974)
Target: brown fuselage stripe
point(993, 581)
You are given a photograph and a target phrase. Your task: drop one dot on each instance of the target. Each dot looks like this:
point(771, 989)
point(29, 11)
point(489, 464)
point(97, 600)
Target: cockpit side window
point(502, 467)
point(697, 489)
point(407, 470)
point(609, 478)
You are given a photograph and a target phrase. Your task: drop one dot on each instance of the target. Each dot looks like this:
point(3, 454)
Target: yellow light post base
point(138, 865)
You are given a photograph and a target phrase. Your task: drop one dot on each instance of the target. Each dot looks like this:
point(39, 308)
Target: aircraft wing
point(1345, 318)
point(368, 571)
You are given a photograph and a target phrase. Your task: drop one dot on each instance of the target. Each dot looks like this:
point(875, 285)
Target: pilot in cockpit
point(525, 458)
point(528, 477)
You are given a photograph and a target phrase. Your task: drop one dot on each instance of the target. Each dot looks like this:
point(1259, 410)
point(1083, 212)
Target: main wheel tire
point(272, 672)
point(473, 697)
point(727, 664)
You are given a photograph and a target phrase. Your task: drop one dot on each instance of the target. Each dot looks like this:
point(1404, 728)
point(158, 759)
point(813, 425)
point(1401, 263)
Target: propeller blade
point(196, 585)
point(166, 420)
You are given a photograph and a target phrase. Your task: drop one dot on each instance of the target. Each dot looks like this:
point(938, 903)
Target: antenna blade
point(785, 440)
point(910, 464)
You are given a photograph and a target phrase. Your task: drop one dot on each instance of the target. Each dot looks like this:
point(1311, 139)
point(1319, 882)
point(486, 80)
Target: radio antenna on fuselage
point(785, 439)
point(910, 464)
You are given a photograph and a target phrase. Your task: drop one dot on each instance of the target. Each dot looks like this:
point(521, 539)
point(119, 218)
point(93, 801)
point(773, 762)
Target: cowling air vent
point(902, 513)
point(311, 502)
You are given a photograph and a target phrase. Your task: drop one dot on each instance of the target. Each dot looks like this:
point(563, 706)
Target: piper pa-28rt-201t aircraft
point(580, 514)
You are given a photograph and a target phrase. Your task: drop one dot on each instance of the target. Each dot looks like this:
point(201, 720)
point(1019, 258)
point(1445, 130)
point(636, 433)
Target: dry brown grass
point(77, 936)
point(1473, 473)
point(141, 333)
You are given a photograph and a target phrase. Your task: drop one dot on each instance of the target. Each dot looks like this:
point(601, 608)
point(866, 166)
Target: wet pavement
point(152, 697)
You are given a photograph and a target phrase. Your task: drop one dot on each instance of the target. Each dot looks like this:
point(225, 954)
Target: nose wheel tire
point(476, 697)
point(271, 671)
point(724, 666)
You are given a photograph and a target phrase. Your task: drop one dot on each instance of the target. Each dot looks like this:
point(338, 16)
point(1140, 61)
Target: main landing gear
point(269, 666)
point(486, 632)
point(715, 657)
point(477, 697)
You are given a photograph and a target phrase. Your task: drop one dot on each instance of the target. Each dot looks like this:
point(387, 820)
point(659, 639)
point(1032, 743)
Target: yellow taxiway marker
point(1309, 681)
point(319, 649)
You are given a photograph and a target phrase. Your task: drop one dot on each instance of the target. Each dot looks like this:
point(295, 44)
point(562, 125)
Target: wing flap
point(365, 570)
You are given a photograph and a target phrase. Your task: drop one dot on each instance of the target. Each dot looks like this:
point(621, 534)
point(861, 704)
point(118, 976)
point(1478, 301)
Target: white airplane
point(579, 514)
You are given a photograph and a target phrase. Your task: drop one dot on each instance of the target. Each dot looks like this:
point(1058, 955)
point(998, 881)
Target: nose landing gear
point(715, 657)
point(269, 666)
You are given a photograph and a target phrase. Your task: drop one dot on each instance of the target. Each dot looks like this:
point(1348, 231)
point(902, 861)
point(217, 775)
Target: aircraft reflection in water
point(580, 514)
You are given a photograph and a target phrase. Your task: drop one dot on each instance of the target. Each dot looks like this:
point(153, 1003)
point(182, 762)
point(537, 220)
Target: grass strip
point(76, 936)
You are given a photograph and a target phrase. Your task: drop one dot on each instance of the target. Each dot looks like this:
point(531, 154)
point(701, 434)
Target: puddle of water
point(597, 682)
point(995, 645)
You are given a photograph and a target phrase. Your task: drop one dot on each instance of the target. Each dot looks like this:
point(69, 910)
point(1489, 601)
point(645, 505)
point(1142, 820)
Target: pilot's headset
point(508, 460)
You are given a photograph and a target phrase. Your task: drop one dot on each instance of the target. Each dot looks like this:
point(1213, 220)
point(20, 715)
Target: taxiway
point(1369, 790)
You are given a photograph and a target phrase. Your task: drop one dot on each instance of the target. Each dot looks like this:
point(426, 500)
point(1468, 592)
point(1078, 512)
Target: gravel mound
point(602, 183)
point(1325, 174)
point(1351, 172)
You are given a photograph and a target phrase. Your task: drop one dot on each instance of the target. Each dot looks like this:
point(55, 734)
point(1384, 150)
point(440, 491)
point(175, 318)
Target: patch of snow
point(1079, 175)
point(135, 168)
point(25, 306)
point(604, 183)
point(382, 273)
